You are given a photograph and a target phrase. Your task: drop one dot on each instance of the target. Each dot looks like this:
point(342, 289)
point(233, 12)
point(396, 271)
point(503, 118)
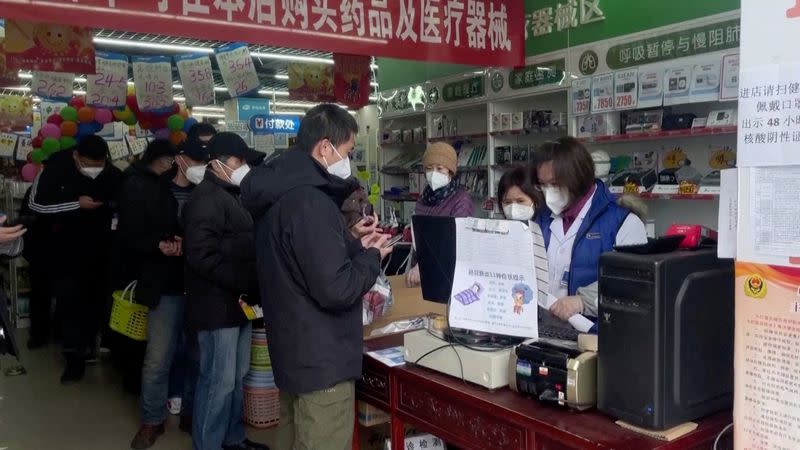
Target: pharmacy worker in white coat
point(580, 221)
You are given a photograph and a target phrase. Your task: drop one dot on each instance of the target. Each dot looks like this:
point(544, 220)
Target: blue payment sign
point(272, 124)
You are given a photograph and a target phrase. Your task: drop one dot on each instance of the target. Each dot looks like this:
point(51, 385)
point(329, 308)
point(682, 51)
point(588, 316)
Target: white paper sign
point(706, 81)
point(581, 96)
point(774, 206)
point(152, 76)
point(8, 143)
point(728, 213)
point(626, 89)
point(53, 85)
point(651, 86)
point(666, 189)
point(197, 78)
point(237, 69)
point(24, 148)
point(677, 85)
point(108, 87)
point(117, 149)
point(603, 93)
point(730, 78)
point(494, 291)
point(136, 145)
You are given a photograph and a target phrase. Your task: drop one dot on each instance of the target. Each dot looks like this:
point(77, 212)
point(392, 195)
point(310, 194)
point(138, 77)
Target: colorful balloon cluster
point(172, 124)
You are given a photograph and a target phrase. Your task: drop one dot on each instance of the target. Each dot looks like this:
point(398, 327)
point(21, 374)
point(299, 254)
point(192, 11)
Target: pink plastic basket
point(262, 407)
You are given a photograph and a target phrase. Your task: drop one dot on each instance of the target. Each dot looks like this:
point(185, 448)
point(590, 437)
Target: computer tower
point(665, 337)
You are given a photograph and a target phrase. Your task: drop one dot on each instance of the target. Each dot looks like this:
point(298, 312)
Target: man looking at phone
point(312, 273)
point(76, 194)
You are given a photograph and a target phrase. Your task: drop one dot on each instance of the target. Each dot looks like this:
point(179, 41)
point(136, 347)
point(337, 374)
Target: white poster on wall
point(705, 80)
point(677, 85)
point(730, 78)
point(603, 93)
point(651, 86)
point(626, 90)
point(581, 96)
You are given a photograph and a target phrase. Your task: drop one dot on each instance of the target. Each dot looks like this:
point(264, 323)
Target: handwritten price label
point(117, 149)
point(136, 145)
point(237, 69)
point(8, 142)
point(626, 89)
point(581, 96)
point(603, 93)
point(108, 87)
point(197, 79)
point(24, 148)
point(52, 85)
point(152, 77)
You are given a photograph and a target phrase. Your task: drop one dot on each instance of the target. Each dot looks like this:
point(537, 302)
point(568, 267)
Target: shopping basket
point(128, 318)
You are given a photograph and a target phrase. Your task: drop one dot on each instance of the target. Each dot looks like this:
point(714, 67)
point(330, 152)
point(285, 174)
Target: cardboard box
point(408, 304)
point(369, 416)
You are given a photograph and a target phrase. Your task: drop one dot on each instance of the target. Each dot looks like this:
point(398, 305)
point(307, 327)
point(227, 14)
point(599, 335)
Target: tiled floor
point(37, 413)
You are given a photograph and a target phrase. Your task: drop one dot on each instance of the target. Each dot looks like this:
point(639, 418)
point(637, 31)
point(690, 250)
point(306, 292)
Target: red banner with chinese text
point(351, 78)
point(475, 32)
point(48, 47)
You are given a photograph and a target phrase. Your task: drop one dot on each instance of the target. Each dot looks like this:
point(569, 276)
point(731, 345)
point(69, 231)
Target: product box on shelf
point(420, 135)
point(520, 153)
point(438, 127)
point(497, 122)
point(408, 136)
point(505, 121)
point(722, 118)
point(416, 183)
point(606, 124)
point(503, 155)
point(647, 120)
point(516, 121)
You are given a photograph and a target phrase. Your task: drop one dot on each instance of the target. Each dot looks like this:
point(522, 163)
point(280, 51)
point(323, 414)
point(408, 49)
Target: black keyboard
point(556, 332)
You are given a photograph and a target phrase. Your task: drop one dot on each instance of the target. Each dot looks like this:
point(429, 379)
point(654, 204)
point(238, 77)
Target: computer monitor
point(435, 241)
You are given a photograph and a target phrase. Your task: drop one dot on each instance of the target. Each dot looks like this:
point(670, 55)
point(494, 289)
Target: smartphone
point(393, 241)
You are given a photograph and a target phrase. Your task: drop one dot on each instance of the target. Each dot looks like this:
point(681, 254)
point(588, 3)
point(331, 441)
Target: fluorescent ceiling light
point(208, 108)
point(273, 92)
point(297, 113)
point(204, 114)
point(151, 45)
point(281, 77)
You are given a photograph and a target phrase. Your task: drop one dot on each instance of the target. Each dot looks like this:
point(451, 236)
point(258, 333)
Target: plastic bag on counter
point(378, 301)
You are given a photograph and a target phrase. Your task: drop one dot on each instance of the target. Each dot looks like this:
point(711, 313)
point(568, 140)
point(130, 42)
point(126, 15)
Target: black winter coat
point(148, 214)
point(313, 273)
point(220, 257)
point(78, 240)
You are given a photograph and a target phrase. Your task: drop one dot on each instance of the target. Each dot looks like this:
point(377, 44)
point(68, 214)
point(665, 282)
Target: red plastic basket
point(262, 407)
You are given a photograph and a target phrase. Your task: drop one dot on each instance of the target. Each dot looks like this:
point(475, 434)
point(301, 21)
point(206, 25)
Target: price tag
point(8, 143)
point(581, 96)
point(666, 189)
point(53, 85)
point(197, 79)
point(709, 190)
point(237, 69)
point(117, 149)
point(616, 189)
point(108, 87)
point(152, 76)
point(136, 145)
point(626, 89)
point(603, 93)
point(24, 148)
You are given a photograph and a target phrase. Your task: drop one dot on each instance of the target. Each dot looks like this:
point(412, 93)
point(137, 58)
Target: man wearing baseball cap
point(220, 271)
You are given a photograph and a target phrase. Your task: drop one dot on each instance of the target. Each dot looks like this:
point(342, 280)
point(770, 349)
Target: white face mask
point(238, 175)
point(195, 174)
point(91, 172)
point(557, 199)
point(437, 180)
point(516, 211)
point(340, 168)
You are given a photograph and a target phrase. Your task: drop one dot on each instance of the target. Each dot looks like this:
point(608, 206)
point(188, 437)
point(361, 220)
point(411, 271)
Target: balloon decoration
point(64, 130)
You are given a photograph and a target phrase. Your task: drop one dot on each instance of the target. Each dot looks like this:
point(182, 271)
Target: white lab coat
point(559, 251)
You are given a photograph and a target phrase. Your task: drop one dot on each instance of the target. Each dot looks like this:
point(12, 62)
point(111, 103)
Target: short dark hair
point(93, 147)
point(572, 164)
point(525, 180)
point(325, 121)
point(158, 148)
point(201, 129)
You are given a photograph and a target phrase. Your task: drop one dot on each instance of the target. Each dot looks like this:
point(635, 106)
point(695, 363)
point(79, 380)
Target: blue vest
point(597, 235)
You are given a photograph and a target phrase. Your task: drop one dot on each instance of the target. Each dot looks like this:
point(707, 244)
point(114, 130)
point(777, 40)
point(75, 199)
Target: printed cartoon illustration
point(313, 82)
point(48, 47)
point(522, 294)
point(53, 39)
point(794, 11)
point(469, 296)
point(15, 112)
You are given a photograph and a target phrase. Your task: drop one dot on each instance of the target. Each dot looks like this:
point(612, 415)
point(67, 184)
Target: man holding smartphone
point(313, 273)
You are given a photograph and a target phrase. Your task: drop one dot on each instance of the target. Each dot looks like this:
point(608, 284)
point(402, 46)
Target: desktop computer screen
point(435, 241)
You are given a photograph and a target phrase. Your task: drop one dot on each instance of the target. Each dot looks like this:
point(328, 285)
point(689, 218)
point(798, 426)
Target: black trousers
point(81, 304)
point(41, 282)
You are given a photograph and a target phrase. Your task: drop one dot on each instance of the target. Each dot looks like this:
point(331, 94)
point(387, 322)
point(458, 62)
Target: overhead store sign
point(262, 124)
point(484, 32)
point(537, 75)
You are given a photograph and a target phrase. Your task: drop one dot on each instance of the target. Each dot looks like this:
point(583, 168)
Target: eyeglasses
point(544, 187)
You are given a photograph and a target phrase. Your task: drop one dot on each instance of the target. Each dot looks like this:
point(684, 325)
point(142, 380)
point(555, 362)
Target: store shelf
point(652, 196)
point(532, 131)
point(469, 169)
point(515, 165)
point(659, 135)
point(397, 171)
point(400, 146)
point(464, 137)
point(400, 198)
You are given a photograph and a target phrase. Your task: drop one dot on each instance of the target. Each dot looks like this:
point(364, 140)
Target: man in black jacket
point(76, 193)
point(220, 271)
point(312, 274)
point(150, 253)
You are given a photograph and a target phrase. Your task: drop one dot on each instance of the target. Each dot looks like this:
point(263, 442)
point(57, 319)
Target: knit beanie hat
point(441, 154)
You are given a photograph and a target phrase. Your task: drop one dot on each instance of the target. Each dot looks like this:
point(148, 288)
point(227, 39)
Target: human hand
point(369, 240)
point(412, 277)
point(88, 203)
point(169, 248)
point(567, 307)
point(178, 241)
point(365, 226)
point(8, 234)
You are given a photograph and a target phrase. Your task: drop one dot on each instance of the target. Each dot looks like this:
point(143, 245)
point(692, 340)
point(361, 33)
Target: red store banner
point(476, 32)
point(351, 78)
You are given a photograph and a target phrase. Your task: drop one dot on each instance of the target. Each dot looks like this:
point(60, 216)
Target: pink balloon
point(103, 116)
point(29, 171)
point(51, 130)
point(162, 133)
